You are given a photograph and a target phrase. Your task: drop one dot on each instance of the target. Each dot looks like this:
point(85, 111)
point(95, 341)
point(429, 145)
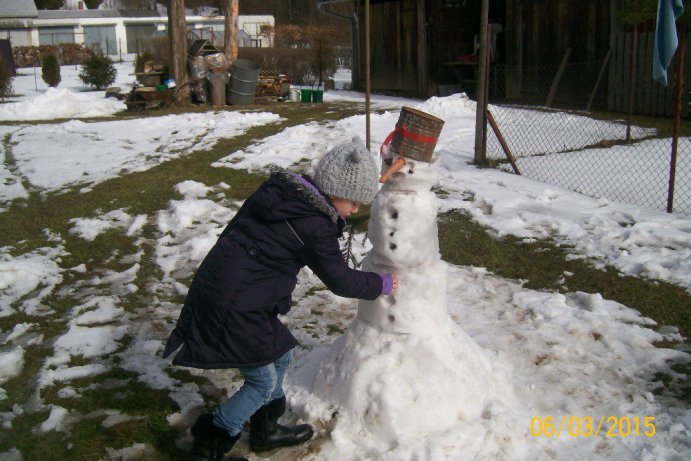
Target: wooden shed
point(427, 47)
point(416, 43)
point(602, 66)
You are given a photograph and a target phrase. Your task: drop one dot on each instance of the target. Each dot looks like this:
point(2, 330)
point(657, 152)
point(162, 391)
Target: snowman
point(393, 378)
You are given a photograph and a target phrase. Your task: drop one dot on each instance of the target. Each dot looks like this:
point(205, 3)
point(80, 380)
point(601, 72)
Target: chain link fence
point(589, 151)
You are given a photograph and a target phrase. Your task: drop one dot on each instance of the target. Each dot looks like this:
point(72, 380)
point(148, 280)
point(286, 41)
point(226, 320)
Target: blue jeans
point(261, 386)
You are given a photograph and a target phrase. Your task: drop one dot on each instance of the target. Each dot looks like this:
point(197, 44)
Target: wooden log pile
point(272, 85)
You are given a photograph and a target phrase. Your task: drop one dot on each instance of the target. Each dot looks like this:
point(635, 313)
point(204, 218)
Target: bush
point(73, 53)
point(5, 80)
point(160, 49)
point(305, 54)
point(70, 53)
point(98, 71)
point(301, 65)
point(141, 59)
point(50, 70)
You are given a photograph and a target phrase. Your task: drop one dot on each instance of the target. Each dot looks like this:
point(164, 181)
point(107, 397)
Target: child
point(230, 316)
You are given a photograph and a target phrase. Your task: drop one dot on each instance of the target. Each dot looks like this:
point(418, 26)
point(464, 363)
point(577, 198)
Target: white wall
point(29, 35)
point(19, 37)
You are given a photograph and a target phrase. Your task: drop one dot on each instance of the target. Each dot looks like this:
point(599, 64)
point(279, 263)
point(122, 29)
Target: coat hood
point(287, 195)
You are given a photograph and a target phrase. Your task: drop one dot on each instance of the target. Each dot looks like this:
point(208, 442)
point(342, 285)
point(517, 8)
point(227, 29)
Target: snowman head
point(412, 175)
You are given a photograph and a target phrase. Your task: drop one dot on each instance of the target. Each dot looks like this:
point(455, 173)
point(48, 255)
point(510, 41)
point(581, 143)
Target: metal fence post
point(677, 117)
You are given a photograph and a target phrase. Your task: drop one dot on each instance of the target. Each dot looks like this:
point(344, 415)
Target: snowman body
point(404, 236)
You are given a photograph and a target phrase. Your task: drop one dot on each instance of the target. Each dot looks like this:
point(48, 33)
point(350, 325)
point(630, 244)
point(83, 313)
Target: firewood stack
point(272, 85)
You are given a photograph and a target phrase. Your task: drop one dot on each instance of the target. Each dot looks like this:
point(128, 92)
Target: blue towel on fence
point(665, 37)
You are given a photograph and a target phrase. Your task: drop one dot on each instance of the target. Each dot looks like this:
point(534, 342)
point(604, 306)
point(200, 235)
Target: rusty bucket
point(416, 134)
point(415, 137)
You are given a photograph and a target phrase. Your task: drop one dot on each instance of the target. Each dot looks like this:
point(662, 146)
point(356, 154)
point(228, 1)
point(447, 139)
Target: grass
point(664, 125)
point(87, 438)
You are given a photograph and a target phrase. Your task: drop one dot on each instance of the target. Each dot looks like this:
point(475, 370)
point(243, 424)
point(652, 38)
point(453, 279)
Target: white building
point(117, 31)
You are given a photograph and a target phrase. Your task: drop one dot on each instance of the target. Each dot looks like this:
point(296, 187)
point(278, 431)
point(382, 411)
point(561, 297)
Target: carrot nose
point(397, 165)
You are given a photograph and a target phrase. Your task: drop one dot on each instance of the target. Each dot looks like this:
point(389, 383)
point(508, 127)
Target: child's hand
point(389, 283)
point(395, 282)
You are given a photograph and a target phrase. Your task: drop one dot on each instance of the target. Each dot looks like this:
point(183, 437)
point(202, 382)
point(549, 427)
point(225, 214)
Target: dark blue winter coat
point(230, 316)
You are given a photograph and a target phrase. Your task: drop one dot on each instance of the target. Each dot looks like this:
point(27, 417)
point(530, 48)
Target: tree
point(98, 70)
point(230, 9)
point(5, 80)
point(177, 37)
point(319, 40)
point(50, 70)
point(230, 35)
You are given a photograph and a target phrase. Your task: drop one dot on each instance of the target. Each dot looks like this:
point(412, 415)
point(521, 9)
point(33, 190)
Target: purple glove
point(387, 283)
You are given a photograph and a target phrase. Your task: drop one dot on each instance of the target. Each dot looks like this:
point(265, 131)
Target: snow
point(56, 421)
point(119, 147)
point(60, 103)
point(35, 100)
point(474, 357)
point(36, 273)
point(11, 363)
point(18, 331)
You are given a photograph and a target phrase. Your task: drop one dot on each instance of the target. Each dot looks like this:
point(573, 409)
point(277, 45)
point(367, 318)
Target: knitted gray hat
point(348, 171)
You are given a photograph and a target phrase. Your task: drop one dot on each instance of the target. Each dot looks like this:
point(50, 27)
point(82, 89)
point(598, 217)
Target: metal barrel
point(243, 82)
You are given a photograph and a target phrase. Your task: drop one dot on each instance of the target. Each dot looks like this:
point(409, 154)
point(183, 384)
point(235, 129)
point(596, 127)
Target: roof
point(202, 47)
point(26, 9)
point(140, 13)
point(77, 14)
point(18, 9)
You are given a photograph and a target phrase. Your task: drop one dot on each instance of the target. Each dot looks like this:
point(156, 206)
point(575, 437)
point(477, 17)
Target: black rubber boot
point(267, 434)
point(210, 441)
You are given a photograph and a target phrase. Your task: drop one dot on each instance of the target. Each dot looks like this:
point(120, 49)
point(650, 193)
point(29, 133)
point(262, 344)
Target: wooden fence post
point(557, 78)
point(502, 141)
point(599, 79)
point(480, 93)
point(632, 81)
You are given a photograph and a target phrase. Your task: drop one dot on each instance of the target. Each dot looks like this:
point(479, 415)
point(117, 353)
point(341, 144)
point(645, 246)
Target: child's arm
point(322, 254)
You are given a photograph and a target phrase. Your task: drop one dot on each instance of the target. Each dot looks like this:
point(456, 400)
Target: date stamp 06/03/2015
point(586, 426)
